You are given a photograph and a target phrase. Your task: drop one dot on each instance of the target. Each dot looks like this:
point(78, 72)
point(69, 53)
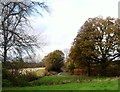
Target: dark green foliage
point(6, 83)
point(23, 80)
point(5, 73)
point(54, 61)
point(11, 73)
point(16, 79)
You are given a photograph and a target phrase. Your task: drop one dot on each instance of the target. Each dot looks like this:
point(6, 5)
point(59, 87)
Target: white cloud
point(67, 17)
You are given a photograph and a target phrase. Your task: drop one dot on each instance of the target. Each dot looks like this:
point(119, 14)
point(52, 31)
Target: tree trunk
point(88, 69)
point(5, 43)
point(5, 55)
point(103, 69)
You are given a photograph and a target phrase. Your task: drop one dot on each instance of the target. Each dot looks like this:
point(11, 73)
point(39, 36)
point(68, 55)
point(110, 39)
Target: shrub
point(54, 61)
point(6, 83)
point(79, 71)
point(23, 80)
point(15, 79)
point(4, 73)
point(20, 81)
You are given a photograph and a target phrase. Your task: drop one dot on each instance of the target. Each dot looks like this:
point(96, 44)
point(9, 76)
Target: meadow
point(70, 83)
point(66, 82)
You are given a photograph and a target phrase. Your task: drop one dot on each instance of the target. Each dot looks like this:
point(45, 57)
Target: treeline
point(95, 69)
point(19, 65)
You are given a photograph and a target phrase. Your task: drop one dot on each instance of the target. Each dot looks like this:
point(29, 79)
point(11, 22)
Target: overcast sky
point(60, 27)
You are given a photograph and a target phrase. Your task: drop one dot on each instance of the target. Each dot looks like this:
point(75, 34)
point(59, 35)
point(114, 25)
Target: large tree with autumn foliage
point(98, 41)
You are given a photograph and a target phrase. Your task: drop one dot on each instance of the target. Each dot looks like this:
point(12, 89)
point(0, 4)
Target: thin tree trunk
point(88, 70)
point(5, 55)
point(5, 44)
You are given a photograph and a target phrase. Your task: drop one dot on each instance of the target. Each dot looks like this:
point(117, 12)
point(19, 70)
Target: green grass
point(70, 82)
point(52, 80)
point(102, 85)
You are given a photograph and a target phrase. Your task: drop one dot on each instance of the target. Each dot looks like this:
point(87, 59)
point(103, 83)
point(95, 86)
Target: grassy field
point(106, 85)
point(53, 80)
point(70, 83)
point(40, 71)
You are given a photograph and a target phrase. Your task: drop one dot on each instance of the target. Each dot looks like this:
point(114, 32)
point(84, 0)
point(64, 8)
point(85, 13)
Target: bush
point(15, 79)
point(6, 83)
point(23, 80)
point(79, 71)
point(54, 61)
point(19, 81)
point(113, 71)
point(30, 76)
point(4, 73)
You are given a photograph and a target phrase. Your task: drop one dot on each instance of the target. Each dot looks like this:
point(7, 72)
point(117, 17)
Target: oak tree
point(98, 41)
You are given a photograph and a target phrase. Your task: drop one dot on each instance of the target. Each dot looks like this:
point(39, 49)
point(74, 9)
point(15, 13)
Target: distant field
point(40, 71)
point(37, 71)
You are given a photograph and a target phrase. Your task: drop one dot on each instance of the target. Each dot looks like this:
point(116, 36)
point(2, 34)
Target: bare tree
point(66, 52)
point(14, 41)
